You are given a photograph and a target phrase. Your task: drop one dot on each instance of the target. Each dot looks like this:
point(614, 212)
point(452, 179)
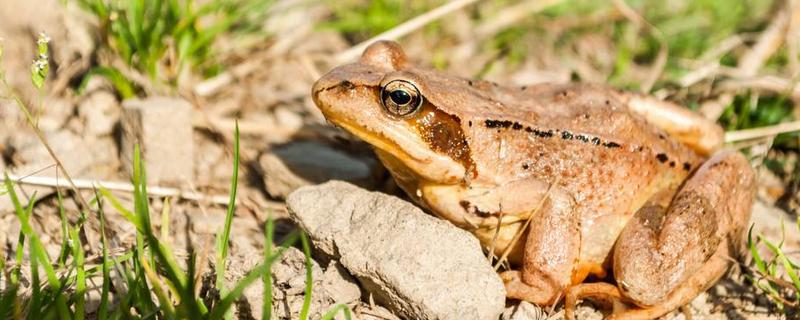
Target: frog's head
point(382, 100)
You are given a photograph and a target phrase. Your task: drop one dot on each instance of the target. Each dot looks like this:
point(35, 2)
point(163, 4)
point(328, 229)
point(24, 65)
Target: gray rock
point(288, 286)
point(418, 266)
point(99, 111)
point(339, 284)
point(296, 164)
point(163, 129)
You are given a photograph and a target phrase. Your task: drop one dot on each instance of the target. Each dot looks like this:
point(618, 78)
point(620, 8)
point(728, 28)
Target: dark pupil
point(400, 97)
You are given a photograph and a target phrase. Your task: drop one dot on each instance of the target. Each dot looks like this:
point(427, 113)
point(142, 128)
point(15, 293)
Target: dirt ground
point(266, 87)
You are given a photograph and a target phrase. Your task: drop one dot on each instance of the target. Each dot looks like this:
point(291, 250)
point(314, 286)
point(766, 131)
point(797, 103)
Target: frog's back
point(584, 139)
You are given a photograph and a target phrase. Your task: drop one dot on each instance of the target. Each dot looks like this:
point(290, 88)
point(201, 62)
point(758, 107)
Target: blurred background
point(79, 65)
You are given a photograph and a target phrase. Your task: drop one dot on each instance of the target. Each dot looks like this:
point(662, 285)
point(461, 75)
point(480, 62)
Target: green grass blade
point(222, 242)
point(335, 310)
point(309, 277)
point(118, 206)
point(20, 253)
point(7, 300)
point(165, 305)
point(102, 310)
point(125, 88)
point(227, 300)
point(62, 257)
point(80, 280)
point(27, 229)
point(790, 271)
point(37, 249)
point(135, 13)
point(165, 220)
point(159, 253)
point(35, 305)
point(760, 265)
point(266, 312)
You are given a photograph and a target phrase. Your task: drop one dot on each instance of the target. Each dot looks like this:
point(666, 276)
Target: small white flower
point(43, 38)
point(43, 56)
point(39, 64)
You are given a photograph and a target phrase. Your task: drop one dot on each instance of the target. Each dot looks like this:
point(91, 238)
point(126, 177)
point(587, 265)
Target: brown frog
point(569, 181)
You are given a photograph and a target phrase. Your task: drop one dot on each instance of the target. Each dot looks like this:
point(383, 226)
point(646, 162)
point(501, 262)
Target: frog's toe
point(602, 292)
point(539, 293)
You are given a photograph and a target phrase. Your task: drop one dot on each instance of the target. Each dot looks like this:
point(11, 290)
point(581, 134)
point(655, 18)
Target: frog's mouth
point(377, 140)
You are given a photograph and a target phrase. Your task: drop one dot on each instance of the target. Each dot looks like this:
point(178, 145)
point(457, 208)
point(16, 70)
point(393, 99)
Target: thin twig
point(773, 84)
point(762, 132)
point(490, 255)
point(510, 16)
point(768, 43)
point(82, 203)
point(404, 28)
point(119, 186)
point(751, 61)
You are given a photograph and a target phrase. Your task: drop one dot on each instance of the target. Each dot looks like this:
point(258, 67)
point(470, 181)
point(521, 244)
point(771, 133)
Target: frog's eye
point(401, 98)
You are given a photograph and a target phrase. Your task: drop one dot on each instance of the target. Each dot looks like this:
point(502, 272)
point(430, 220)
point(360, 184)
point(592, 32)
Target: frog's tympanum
point(633, 193)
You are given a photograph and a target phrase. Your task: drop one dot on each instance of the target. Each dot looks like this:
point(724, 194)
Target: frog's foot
point(602, 292)
point(542, 292)
point(666, 257)
point(625, 309)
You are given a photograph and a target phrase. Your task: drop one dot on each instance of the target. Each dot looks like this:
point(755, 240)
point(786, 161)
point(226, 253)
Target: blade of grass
point(20, 253)
point(335, 310)
point(309, 277)
point(227, 300)
point(266, 312)
point(62, 257)
point(222, 242)
point(117, 205)
point(159, 253)
point(760, 265)
point(165, 220)
point(102, 310)
point(34, 307)
point(80, 285)
point(118, 80)
point(37, 248)
point(165, 304)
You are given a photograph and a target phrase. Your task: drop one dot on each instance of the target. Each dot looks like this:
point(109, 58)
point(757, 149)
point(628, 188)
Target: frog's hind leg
point(690, 128)
point(625, 309)
point(665, 258)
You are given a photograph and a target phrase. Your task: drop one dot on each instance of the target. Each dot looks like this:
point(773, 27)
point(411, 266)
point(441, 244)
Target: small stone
point(287, 119)
point(296, 164)
point(524, 311)
point(99, 111)
point(418, 266)
point(163, 129)
point(288, 288)
point(339, 284)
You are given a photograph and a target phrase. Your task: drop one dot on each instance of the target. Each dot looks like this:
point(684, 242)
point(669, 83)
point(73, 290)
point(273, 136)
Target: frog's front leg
point(665, 258)
point(551, 248)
